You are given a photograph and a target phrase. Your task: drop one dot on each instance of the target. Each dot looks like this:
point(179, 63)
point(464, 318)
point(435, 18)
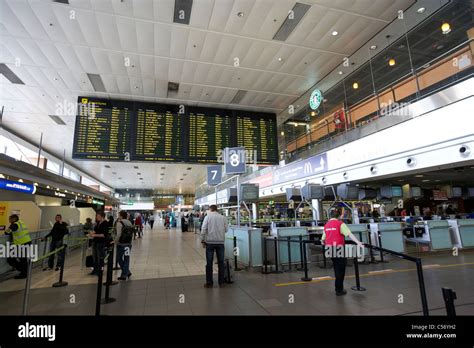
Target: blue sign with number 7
point(214, 175)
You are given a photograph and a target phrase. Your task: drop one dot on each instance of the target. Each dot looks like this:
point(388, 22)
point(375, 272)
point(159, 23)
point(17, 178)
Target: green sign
point(97, 202)
point(315, 99)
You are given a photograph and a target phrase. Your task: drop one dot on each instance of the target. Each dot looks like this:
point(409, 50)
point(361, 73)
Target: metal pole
point(110, 265)
point(289, 252)
point(64, 160)
point(449, 296)
point(305, 278)
point(369, 239)
point(83, 254)
point(379, 235)
point(235, 254)
point(39, 149)
point(265, 261)
point(276, 254)
point(238, 201)
point(300, 239)
point(421, 282)
point(99, 292)
point(27, 287)
point(61, 283)
point(357, 277)
point(44, 253)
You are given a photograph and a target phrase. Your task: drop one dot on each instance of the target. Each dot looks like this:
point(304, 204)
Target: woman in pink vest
point(333, 238)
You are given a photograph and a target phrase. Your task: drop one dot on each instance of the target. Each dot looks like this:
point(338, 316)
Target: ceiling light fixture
point(445, 28)
point(421, 10)
point(391, 62)
point(280, 59)
point(355, 85)
point(340, 73)
point(334, 33)
point(373, 47)
point(240, 14)
point(282, 133)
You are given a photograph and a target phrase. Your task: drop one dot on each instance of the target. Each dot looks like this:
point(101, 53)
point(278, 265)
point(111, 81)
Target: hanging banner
point(4, 208)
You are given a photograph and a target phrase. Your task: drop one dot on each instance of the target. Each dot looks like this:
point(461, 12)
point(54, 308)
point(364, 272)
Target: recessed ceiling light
point(334, 33)
point(446, 28)
point(391, 62)
point(240, 14)
point(373, 47)
point(280, 59)
point(355, 85)
point(340, 72)
point(421, 10)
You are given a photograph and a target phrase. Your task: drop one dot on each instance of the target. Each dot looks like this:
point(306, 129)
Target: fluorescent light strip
point(297, 13)
point(96, 82)
point(10, 75)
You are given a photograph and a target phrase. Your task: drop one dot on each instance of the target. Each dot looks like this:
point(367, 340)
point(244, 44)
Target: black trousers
point(339, 264)
point(20, 263)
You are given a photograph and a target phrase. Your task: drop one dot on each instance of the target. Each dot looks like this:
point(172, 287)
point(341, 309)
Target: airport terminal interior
point(126, 125)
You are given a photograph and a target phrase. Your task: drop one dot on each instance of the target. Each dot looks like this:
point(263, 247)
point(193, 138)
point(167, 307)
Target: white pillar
point(254, 211)
point(316, 204)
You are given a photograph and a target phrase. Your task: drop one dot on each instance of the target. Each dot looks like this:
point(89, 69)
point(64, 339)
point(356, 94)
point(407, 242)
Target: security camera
point(373, 169)
point(411, 161)
point(464, 150)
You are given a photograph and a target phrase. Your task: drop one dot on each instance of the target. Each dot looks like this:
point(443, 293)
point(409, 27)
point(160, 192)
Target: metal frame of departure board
point(163, 134)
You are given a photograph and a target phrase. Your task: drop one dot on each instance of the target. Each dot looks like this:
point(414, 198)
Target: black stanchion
point(236, 268)
point(305, 278)
point(289, 252)
point(357, 287)
point(99, 291)
point(300, 239)
point(265, 260)
point(61, 283)
point(379, 236)
point(421, 281)
point(371, 251)
point(449, 296)
point(277, 259)
point(108, 283)
point(116, 267)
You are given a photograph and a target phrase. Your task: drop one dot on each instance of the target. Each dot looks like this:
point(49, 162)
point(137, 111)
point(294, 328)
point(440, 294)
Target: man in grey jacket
point(213, 232)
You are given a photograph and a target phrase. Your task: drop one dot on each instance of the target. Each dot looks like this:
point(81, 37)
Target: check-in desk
point(391, 236)
point(249, 244)
point(439, 234)
point(285, 249)
point(466, 232)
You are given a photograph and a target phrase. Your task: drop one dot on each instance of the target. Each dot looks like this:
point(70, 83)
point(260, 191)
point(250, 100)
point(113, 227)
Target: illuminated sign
point(59, 194)
point(97, 202)
point(17, 186)
point(315, 99)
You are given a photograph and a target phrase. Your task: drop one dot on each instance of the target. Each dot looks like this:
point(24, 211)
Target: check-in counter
point(249, 244)
point(439, 234)
point(466, 232)
point(360, 231)
point(285, 249)
point(391, 235)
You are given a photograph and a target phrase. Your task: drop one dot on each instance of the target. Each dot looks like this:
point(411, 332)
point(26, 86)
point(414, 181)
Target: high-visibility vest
point(333, 233)
point(21, 235)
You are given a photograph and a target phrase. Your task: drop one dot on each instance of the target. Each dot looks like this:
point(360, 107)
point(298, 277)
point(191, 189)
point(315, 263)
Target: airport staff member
point(213, 232)
point(20, 236)
point(334, 235)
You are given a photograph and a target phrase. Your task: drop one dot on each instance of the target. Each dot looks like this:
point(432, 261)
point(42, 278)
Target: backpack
point(127, 234)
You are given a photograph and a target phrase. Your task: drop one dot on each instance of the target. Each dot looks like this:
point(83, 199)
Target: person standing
point(138, 224)
point(333, 237)
point(100, 238)
point(213, 232)
point(57, 234)
point(151, 220)
point(124, 244)
point(20, 236)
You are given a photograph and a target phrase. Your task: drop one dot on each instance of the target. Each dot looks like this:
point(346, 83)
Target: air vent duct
point(58, 120)
point(294, 17)
point(96, 82)
point(10, 75)
point(238, 96)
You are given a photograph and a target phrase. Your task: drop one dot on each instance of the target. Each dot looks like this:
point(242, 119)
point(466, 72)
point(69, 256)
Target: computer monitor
point(348, 192)
point(249, 192)
point(329, 193)
point(416, 192)
point(386, 192)
point(367, 193)
point(456, 191)
point(397, 191)
point(312, 191)
point(470, 191)
point(293, 194)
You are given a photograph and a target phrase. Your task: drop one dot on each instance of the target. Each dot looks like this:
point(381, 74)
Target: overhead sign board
point(235, 160)
point(17, 186)
point(301, 169)
point(214, 175)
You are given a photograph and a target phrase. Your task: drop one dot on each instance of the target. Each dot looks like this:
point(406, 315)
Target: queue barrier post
point(61, 283)
point(27, 287)
point(421, 281)
point(300, 240)
point(265, 260)
point(357, 287)
point(289, 252)
point(99, 291)
point(235, 252)
point(305, 278)
point(45, 240)
point(379, 236)
point(371, 251)
point(108, 283)
point(277, 258)
point(449, 296)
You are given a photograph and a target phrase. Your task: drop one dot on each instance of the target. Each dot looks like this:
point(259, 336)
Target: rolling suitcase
point(228, 272)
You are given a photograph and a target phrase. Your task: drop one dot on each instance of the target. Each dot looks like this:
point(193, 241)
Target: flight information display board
point(257, 132)
point(158, 133)
point(116, 130)
point(102, 130)
point(209, 132)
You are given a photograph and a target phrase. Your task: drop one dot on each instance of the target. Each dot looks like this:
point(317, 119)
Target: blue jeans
point(219, 248)
point(123, 257)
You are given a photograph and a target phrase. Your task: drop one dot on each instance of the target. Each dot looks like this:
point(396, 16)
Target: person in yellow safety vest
point(19, 236)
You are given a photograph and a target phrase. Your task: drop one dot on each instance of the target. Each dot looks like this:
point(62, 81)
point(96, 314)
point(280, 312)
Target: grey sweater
point(213, 228)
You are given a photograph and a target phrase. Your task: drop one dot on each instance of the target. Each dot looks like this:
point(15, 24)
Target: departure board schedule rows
point(207, 135)
point(158, 136)
point(102, 130)
point(117, 130)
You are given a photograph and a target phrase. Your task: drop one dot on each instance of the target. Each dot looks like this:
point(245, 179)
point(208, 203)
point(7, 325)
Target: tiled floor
point(164, 262)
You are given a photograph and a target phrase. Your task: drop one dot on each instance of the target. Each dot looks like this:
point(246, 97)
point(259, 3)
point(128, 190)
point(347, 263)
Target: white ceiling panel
point(201, 13)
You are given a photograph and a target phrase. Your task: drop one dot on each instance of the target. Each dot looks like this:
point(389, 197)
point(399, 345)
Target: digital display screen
point(102, 130)
point(457, 191)
point(115, 130)
point(397, 191)
point(416, 191)
point(158, 134)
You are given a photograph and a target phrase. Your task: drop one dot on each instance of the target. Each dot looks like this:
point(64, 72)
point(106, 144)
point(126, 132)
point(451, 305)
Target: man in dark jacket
point(57, 234)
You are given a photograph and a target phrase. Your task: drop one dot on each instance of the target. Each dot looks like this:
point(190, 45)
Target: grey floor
point(253, 293)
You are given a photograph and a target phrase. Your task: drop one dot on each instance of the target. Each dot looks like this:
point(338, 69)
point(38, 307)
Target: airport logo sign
point(17, 186)
point(315, 99)
point(301, 169)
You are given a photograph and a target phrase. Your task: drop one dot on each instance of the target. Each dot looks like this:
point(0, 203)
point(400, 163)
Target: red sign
point(439, 195)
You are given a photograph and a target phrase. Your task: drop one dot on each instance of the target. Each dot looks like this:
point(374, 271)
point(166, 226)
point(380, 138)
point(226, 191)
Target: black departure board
point(102, 130)
point(257, 133)
point(158, 133)
point(117, 130)
point(209, 132)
